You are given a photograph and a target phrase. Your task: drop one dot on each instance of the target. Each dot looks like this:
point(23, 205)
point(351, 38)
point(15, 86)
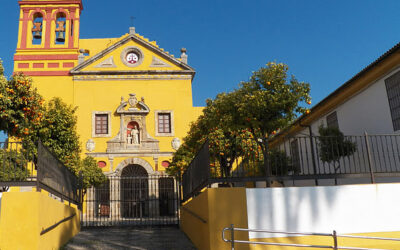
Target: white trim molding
point(171, 113)
point(94, 113)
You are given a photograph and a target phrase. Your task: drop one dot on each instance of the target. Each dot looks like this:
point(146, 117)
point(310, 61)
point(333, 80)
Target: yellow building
point(134, 99)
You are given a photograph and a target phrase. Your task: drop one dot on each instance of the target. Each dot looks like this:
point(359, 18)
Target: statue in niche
point(129, 138)
point(135, 135)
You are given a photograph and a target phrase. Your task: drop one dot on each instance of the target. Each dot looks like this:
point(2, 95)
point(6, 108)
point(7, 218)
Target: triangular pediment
point(132, 55)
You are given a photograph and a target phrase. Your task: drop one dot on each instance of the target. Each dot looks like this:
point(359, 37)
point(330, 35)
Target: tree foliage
point(26, 117)
point(333, 145)
point(241, 123)
point(13, 165)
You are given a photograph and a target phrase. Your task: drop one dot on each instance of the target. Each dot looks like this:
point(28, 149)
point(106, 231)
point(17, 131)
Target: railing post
point(371, 169)
point(232, 237)
point(335, 245)
point(39, 167)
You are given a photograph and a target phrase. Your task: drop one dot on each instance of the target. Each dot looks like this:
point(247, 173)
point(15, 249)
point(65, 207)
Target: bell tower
point(48, 37)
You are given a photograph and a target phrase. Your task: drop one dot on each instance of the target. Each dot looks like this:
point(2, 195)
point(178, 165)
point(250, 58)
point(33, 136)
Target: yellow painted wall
point(194, 228)
point(105, 95)
point(220, 207)
point(24, 215)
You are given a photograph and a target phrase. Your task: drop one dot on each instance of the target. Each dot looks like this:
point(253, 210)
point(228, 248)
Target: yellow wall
point(24, 215)
point(220, 207)
point(105, 95)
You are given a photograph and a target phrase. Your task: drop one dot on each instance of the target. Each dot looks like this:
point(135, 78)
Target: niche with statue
point(132, 136)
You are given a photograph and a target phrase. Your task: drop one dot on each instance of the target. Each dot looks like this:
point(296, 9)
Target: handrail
point(232, 229)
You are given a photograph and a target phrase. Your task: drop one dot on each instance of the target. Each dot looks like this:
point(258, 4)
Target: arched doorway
point(134, 192)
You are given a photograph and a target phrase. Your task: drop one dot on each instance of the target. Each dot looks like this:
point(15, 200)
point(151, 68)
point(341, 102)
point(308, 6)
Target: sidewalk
point(164, 238)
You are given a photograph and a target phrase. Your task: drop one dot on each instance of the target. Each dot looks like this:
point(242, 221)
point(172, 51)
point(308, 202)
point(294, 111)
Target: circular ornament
point(90, 145)
point(101, 164)
point(132, 56)
point(165, 164)
point(176, 143)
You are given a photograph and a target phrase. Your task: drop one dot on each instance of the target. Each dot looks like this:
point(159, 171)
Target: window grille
point(101, 124)
point(295, 153)
point(332, 121)
point(393, 91)
point(164, 123)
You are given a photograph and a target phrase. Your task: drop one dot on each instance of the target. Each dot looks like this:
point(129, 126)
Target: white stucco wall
point(346, 209)
point(368, 110)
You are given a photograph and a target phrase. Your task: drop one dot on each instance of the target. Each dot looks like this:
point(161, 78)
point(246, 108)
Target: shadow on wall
point(40, 220)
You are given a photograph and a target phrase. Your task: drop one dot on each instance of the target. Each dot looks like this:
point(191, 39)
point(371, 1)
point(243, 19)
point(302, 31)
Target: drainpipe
point(312, 150)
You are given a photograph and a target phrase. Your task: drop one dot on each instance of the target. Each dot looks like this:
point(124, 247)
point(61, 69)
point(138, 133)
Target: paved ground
point(164, 238)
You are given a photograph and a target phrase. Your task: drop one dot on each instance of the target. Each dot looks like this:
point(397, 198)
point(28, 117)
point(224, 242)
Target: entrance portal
point(134, 192)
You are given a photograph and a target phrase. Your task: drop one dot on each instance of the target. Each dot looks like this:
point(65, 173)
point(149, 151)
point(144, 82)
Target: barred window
point(295, 153)
point(393, 91)
point(101, 121)
point(164, 123)
point(332, 121)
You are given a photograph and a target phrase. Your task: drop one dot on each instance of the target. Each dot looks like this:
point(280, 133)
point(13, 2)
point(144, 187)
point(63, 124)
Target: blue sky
point(324, 42)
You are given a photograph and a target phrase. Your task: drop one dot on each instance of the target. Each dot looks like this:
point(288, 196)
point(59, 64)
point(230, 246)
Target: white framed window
point(101, 124)
point(164, 123)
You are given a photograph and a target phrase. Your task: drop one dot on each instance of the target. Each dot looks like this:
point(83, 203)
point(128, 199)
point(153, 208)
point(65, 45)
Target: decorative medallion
point(176, 143)
point(132, 101)
point(132, 56)
point(90, 145)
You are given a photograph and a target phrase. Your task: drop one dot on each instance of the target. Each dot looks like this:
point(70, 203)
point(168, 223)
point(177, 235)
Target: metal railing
point(133, 201)
point(334, 237)
point(20, 167)
point(313, 159)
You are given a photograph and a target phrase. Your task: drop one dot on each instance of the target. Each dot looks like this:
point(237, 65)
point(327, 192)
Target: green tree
point(25, 117)
point(241, 123)
point(13, 165)
point(269, 102)
point(333, 146)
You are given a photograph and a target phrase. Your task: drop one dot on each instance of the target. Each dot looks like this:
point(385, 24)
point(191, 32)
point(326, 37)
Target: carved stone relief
point(133, 135)
point(107, 63)
point(158, 63)
point(176, 143)
point(90, 145)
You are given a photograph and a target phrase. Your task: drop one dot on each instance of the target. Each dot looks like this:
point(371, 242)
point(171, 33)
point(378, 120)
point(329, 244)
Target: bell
point(60, 37)
point(37, 35)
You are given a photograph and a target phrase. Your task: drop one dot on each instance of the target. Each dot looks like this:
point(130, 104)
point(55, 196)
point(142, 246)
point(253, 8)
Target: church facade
point(134, 99)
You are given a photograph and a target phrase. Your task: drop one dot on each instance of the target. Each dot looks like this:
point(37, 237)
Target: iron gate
point(132, 201)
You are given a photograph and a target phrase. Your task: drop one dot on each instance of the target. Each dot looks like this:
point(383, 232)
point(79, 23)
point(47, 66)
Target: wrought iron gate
point(132, 201)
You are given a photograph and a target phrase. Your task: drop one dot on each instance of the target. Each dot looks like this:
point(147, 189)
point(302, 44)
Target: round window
point(101, 164)
point(165, 164)
point(132, 56)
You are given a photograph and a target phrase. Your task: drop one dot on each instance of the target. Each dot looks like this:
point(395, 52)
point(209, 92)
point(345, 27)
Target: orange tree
point(241, 123)
point(269, 102)
point(227, 143)
point(25, 117)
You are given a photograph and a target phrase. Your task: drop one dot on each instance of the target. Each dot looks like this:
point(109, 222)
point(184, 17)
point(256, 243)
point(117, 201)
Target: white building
point(369, 102)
